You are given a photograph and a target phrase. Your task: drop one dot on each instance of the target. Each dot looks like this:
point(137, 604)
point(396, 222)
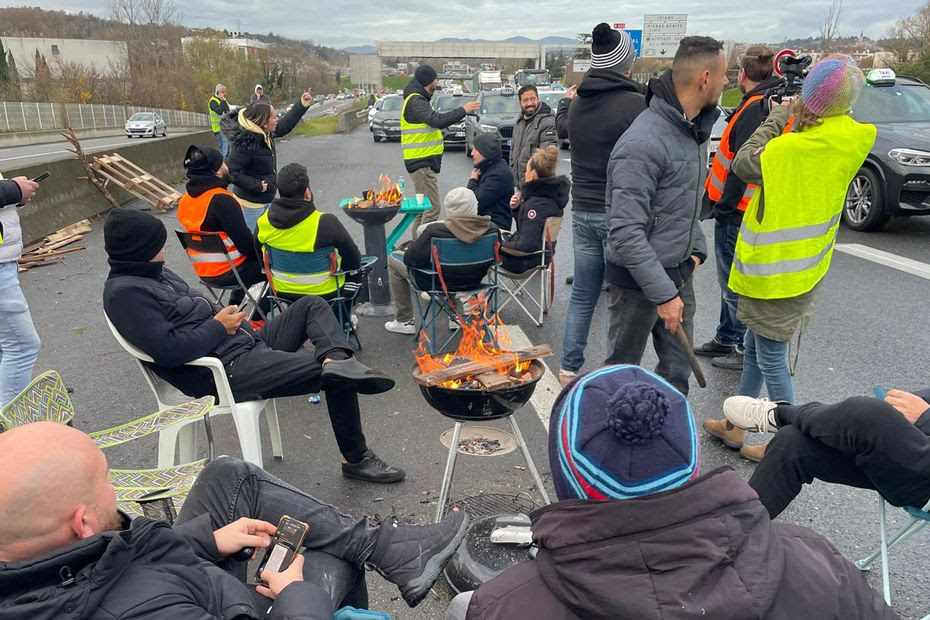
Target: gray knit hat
point(461, 202)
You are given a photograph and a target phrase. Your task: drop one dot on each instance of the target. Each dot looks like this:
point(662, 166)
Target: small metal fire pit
point(471, 405)
point(372, 216)
point(373, 220)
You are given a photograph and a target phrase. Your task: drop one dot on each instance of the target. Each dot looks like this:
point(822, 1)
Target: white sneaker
point(453, 325)
point(755, 415)
point(408, 329)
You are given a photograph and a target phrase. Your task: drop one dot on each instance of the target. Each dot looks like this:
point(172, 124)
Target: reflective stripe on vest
point(418, 140)
point(723, 159)
point(214, 117)
point(191, 214)
point(299, 238)
point(806, 175)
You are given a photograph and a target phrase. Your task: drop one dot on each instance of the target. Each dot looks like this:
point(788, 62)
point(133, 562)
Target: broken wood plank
point(507, 358)
point(491, 381)
point(27, 258)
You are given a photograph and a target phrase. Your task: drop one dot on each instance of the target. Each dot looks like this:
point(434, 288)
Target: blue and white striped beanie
point(621, 432)
point(611, 49)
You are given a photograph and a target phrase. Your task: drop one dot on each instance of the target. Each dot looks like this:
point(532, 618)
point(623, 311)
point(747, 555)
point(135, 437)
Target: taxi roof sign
point(880, 76)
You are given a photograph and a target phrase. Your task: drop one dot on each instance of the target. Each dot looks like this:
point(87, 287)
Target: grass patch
point(731, 98)
point(318, 126)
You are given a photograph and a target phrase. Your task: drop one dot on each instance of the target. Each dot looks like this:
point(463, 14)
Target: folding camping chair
point(483, 254)
point(196, 244)
point(517, 285)
point(305, 267)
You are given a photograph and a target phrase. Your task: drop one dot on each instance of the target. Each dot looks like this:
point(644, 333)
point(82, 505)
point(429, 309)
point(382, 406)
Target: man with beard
point(654, 236)
point(535, 129)
point(207, 206)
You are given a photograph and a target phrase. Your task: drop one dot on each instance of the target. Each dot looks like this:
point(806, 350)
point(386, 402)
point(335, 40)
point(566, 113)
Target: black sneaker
point(715, 349)
point(373, 469)
point(732, 361)
point(351, 374)
point(413, 556)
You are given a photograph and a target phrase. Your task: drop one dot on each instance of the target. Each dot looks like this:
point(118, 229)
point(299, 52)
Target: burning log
point(477, 369)
point(388, 196)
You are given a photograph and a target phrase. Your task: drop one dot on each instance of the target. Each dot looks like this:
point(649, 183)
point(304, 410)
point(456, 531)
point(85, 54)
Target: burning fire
point(483, 341)
point(387, 196)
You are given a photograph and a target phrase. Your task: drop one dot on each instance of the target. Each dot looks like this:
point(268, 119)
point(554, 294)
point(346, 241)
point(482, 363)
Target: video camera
point(793, 70)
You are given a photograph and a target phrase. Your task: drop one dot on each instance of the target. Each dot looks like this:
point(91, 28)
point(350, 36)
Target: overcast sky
point(355, 22)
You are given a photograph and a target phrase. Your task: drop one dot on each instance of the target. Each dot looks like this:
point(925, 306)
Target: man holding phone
point(19, 342)
point(65, 551)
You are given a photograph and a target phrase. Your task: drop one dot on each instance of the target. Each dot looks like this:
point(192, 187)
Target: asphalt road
point(869, 330)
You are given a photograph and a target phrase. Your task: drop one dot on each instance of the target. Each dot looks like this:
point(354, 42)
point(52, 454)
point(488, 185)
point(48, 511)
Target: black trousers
point(279, 366)
point(860, 442)
point(251, 273)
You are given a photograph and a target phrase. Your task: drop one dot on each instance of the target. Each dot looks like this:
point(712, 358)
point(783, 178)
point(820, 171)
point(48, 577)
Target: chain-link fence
point(33, 116)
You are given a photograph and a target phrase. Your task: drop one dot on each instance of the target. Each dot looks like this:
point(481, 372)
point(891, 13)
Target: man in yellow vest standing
point(421, 138)
point(726, 197)
point(218, 107)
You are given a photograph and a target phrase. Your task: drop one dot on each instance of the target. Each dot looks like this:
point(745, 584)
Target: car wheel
point(864, 207)
point(164, 132)
point(374, 136)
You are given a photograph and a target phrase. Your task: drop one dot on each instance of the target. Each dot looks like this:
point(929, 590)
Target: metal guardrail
point(16, 116)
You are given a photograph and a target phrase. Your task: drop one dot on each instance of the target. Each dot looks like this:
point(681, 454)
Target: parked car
point(319, 98)
point(146, 124)
point(341, 96)
point(453, 135)
point(895, 178)
point(498, 114)
point(385, 125)
point(372, 110)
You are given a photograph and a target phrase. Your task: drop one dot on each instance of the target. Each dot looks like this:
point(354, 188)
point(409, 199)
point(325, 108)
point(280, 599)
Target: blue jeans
point(589, 230)
point(766, 361)
point(19, 342)
point(730, 330)
point(251, 215)
point(222, 143)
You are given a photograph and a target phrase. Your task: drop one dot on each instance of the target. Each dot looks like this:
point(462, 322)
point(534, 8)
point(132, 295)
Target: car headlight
point(456, 127)
point(910, 157)
point(488, 128)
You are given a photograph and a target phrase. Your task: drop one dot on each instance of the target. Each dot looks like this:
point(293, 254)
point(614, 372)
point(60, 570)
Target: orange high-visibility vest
point(191, 213)
point(723, 158)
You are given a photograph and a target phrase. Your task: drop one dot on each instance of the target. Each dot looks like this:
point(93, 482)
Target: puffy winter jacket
point(494, 189)
point(655, 180)
point(252, 155)
point(149, 571)
point(542, 198)
point(705, 550)
point(12, 246)
point(530, 134)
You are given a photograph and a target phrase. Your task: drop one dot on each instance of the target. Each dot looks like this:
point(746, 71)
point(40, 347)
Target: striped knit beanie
point(832, 86)
point(621, 432)
point(611, 48)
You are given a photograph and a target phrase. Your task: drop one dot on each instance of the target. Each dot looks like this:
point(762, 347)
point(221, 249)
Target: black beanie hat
point(611, 48)
point(202, 160)
point(488, 144)
point(133, 236)
point(425, 75)
point(293, 181)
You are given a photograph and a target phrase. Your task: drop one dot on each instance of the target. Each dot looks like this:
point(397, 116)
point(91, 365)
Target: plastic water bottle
point(402, 187)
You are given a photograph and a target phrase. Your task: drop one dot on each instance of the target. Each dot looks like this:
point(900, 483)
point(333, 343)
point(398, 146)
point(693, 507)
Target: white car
point(145, 124)
point(373, 109)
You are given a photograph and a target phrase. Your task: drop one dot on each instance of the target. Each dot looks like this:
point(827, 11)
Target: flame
point(483, 340)
point(387, 196)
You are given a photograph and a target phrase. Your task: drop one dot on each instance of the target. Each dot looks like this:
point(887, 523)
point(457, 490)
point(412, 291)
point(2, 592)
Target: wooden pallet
point(141, 184)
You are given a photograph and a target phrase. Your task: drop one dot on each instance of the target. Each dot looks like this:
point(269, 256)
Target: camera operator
point(789, 228)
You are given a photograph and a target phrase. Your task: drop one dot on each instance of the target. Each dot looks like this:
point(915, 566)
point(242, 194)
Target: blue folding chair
point(306, 267)
point(483, 254)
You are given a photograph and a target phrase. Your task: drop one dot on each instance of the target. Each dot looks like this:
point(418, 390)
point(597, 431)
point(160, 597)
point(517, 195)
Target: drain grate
point(489, 504)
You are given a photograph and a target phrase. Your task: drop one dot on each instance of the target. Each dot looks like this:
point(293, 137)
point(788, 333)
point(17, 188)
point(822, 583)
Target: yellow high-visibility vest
point(299, 238)
point(418, 140)
point(787, 251)
point(214, 117)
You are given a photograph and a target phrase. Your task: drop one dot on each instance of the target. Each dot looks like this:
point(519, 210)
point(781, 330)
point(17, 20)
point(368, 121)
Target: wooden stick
point(491, 381)
point(89, 166)
point(458, 371)
point(29, 258)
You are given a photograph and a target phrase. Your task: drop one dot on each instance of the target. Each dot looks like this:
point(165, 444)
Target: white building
point(250, 48)
point(104, 56)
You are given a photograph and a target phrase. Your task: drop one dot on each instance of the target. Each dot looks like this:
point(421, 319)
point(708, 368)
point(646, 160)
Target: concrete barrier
point(351, 119)
point(26, 138)
point(64, 199)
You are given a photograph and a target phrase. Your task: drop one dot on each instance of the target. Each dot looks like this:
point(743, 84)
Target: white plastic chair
point(519, 283)
point(245, 415)
point(920, 517)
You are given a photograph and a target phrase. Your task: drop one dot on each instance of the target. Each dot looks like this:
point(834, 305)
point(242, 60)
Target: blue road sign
point(637, 36)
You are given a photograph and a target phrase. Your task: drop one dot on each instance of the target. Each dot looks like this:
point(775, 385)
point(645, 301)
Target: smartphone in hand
point(285, 544)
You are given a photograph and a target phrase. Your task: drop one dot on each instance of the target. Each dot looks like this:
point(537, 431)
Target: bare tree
point(909, 39)
point(830, 26)
point(142, 12)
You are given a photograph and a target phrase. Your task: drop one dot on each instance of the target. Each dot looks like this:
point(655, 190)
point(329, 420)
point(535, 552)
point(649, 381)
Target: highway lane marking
point(548, 388)
point(89, 149)
point(887, 259)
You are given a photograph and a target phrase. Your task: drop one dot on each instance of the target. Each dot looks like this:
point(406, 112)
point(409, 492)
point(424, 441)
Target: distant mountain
point(361, 49)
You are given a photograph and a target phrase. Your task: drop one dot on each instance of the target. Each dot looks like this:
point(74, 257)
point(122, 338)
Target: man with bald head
point(65, 550)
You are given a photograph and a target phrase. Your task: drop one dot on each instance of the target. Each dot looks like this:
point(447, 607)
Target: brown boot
point(731, 436)
point(753, 452)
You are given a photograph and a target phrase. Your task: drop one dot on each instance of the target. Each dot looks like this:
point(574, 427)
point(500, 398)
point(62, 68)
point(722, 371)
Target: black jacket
point(419, 110)
point(747, 123)
point(149, 571)
point(494, 188)
point(468, 229)
point(224, 213)
point(542, 198)
point(607, 103)
point(252, 158)
point(10, 193)
point(705, 550)
point(155, 310)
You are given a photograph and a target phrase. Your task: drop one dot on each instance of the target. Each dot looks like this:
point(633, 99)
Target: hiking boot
point(731, 436)
point(413, 556)
point(730, 361)
point(351, 374)
point(714, 349)
point(753, 452)
point(407, 328)
point(373, 469)
point(756, 415)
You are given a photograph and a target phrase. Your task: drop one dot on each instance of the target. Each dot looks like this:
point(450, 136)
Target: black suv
point(895, 178)
point(453, 135)
point(498, 114)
